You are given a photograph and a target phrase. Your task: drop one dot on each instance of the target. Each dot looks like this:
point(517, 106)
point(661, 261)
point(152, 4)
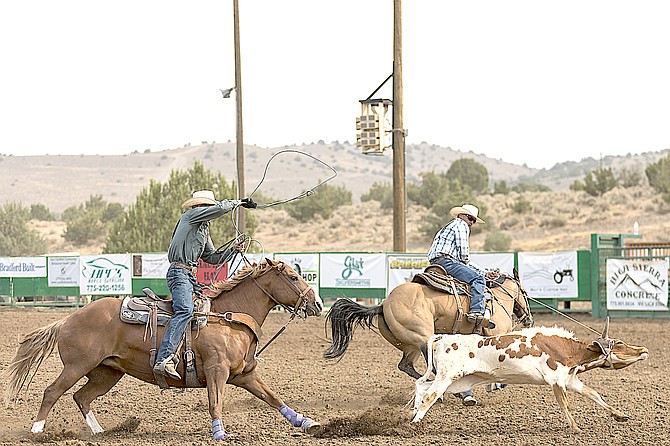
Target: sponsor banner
point(307, 265)
point(208, 273)
point(353, 271)
point(63, 271)
point(637, 284)
point(403, 267)
point(551, 275)
point(23, 266)
point(150, 266)
point(106, 274)
point(503, 261)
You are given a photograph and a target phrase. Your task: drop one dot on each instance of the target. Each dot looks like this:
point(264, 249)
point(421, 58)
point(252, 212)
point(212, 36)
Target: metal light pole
point(239, 135)
point(399, 227)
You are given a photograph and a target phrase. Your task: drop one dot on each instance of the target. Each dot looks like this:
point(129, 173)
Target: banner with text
point(503, 261)
point(353, 271)
point(23, 266)
point(305, 264)
point(637, 284)
point(403, 267)
point(63, 271)
point(150, 266)
point(107, 274)
point(551, 275)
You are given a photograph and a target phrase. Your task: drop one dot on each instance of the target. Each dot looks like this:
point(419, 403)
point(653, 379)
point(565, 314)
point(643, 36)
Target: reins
point(300, 304)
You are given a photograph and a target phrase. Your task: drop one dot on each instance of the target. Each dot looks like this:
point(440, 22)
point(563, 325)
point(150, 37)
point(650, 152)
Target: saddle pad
point(440, 282)
point(137, 316)
point(134, 310)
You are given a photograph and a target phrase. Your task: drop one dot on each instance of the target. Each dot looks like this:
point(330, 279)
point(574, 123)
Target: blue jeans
point(464, 273)
point(180, 282)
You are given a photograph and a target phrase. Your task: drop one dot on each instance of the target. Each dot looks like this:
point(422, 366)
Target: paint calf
point(542, 355)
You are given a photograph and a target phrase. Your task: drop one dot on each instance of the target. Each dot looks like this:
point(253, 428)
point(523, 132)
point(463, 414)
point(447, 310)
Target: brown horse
point(95, 343)
point(413, 312)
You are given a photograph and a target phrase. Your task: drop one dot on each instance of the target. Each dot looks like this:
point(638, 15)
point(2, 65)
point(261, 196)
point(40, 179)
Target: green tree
point(16, 237)
point(658, 175)
point(431, 189)
point(470, 173)
point(501, 188)
point(522, 205)
point(497, 241)
point(381, 192)
point(148, 224)
point(323, 202)
point(630, 177)
point(599, 181)
point(91, 220)
point(530, 187)
point(455, 195)
point(40, 212)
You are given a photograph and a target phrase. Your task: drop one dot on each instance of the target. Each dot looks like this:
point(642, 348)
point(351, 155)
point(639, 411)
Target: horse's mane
point(222, 286)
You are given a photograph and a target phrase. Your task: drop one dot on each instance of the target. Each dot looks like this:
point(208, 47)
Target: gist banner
point(353, 271)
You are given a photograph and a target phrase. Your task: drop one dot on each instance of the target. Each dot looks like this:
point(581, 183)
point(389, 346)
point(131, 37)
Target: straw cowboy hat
point(467, 209)
point(200, 197)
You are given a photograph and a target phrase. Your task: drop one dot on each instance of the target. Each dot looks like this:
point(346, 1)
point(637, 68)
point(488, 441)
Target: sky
point(535, 82)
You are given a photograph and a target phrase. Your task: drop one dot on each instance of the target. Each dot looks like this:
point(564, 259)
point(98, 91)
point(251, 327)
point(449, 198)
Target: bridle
point(527, 317)
point(300, 304)
point(299, 307)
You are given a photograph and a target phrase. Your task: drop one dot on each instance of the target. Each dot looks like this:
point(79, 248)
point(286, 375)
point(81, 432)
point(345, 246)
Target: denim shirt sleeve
point(206, 213)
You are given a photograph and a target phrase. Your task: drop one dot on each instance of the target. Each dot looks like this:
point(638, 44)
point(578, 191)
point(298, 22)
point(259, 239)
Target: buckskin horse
point(413, 312)
point(94, 342)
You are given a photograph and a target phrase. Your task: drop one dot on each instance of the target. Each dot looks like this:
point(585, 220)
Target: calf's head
point(617, 354)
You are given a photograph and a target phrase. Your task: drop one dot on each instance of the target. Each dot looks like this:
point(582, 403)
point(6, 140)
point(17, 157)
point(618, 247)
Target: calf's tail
point(344, 316)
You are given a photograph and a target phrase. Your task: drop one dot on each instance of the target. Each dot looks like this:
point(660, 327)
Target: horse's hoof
point(310, 426)
point(469, 401)
point(621, 417)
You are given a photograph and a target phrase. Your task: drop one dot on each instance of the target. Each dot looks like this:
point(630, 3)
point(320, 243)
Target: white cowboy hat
point(467, 209)
point(199, 197)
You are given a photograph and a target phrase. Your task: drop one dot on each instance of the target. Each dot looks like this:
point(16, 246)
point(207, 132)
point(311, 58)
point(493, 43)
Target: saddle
point(152, 311)
point(136, 310)
point(435, 277)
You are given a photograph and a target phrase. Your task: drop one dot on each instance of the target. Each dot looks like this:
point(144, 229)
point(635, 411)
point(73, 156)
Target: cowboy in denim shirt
point(190, 242)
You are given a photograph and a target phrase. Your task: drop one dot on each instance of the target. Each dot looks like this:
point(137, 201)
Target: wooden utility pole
point(399, 239)
point(239, 135)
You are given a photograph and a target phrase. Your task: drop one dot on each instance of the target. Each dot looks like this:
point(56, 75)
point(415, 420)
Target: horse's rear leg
point(406, 364)
point(255, 385)
point(100, 380)
point(67, 378)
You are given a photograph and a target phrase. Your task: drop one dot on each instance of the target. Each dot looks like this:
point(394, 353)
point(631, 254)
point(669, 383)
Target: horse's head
point(521, 305)
point(288, 289)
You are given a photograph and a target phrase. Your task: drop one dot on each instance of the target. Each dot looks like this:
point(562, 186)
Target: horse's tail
point(344, 316)
point(34, 348)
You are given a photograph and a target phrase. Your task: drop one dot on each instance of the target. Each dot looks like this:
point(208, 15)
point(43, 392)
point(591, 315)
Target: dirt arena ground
point(359, 400)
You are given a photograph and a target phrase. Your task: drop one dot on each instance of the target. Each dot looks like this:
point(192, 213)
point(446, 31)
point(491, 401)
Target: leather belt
point(445, 256)
point(191, 269)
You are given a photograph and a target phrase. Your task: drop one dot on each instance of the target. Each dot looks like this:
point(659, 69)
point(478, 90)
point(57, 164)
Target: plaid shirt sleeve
point(462, 241)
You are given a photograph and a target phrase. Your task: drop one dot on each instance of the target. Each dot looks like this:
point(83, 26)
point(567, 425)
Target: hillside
point(60, 181)
point(561, 220)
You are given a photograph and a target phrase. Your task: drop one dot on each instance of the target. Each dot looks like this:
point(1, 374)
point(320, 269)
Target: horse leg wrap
point(292, 416)
point(218, 432)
